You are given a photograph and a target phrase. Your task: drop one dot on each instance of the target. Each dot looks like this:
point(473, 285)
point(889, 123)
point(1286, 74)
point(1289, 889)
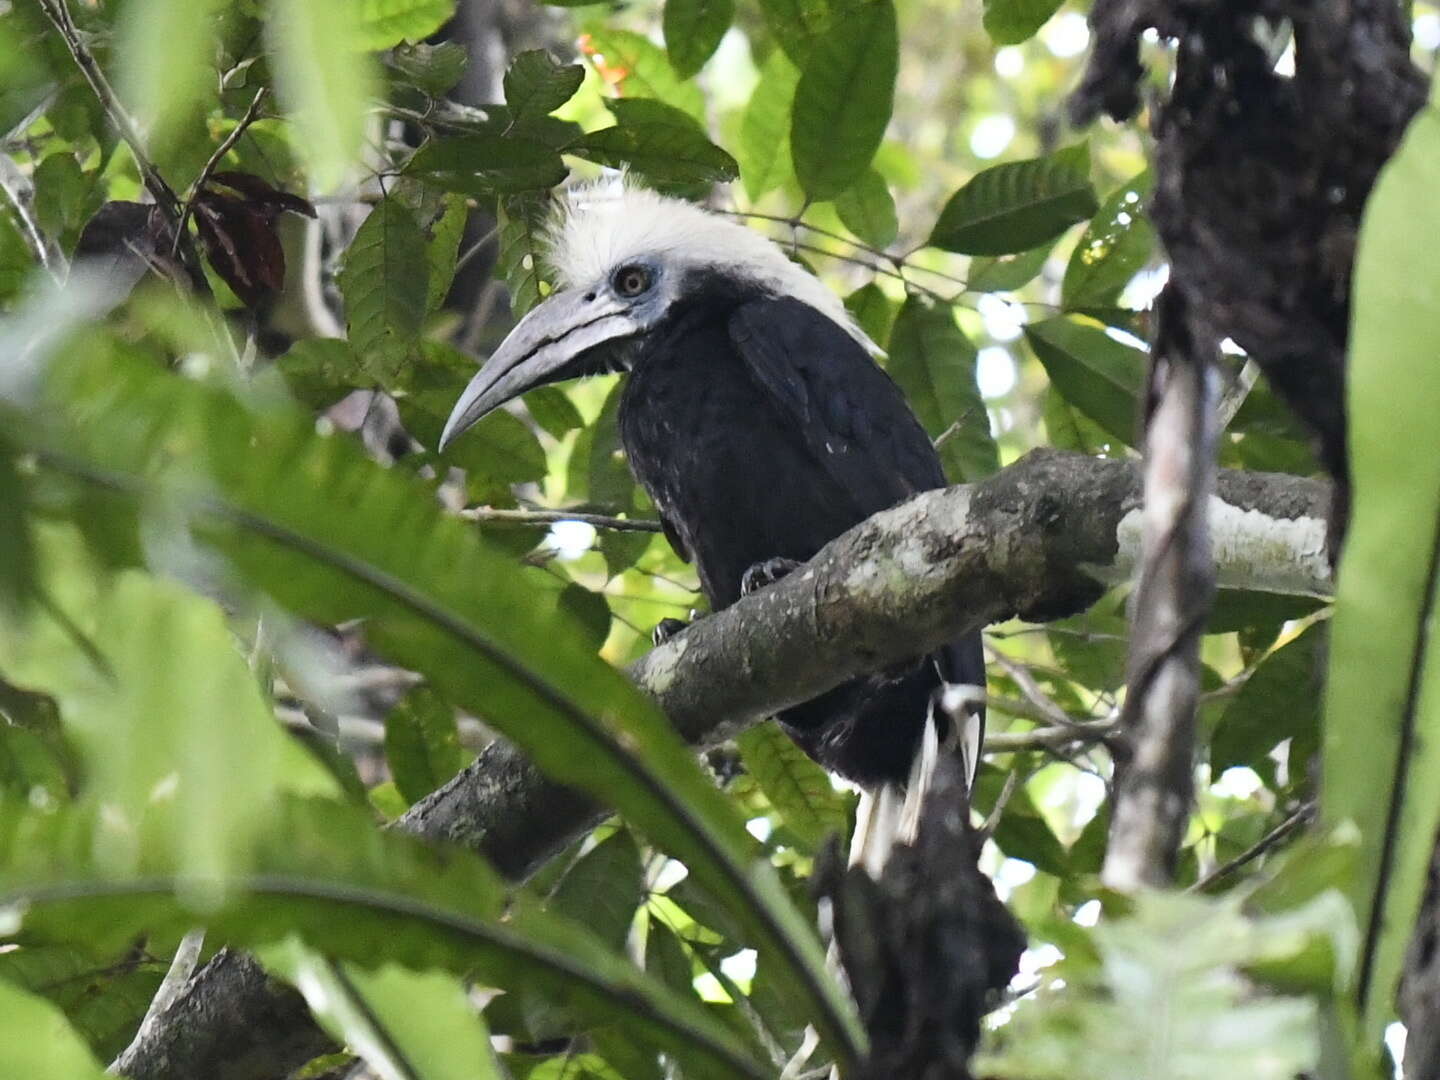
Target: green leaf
point(1095, 373)
point(598, 473)
point(1280, 701)
point(159, 701)
point(797, 23)
point(102, 993)
point(385, 282)
point(552, 409)
point(485, 163)
point(603, 889)
point(1382, 702)
point(320, 371)
point(590, 609)
point(51, 1050)
point(1111, 250)
point(873, 310)
point(868, 211)
point(366, 897)
point(522, 249)
point(1018, 205)
point(637, 67)
point(1010, 22)
point(164, 52)
point(536, 85)
point(934, 363)
point(17, 548)
point(383, 23)
point(442, 251)
point(332, 536)
point(844, 100)
point(1023, 833)
point(16, 259)
point(797, 788)
point(432, 69)
point(414, 1025)
point(1005, 273)
point(422, 743)
point(693, 29)
point(324, 80)
point(764, 146)
point(658, 141)
point(1176, 962)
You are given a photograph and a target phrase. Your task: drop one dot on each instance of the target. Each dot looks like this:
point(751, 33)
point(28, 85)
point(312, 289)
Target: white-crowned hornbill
point(754, 415)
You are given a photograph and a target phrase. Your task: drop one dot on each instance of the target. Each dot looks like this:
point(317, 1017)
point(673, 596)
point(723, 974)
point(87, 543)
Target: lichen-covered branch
point(1040, 540)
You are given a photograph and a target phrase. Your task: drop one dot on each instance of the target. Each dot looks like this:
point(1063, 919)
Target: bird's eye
point(631, 281)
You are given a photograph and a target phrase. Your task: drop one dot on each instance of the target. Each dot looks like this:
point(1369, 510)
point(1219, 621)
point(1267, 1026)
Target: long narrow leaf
point(1382, 714)
point(333, 536)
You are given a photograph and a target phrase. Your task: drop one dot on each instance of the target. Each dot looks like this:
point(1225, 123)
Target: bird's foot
point(766, 573)
point(666, 629)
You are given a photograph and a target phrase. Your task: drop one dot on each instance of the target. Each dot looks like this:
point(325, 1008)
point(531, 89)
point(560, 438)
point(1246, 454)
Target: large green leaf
point(867, 209)
point(422, 743)
point(1117, 243)
point(486, 163)
point(764, 146)
point(535, 85)
point(405, 1025)
point(934, 363)
point(332, 536)
point(324, 874)
point(17, 549)
point(1095, 373)
point(385, 282)
point(1010, 22)
point(693, 29)
point(1174, 965)
point(797, 787)
point(844, 99)
point(164, 52)
point(1280, 701)
point(442, 250)
point(50, 1049)
point(1382, 707)
point(603, 889)
point(383, 23)
point(324, 79)
point(162, 706)
point(522, 248)
point(797, 23)
point(658, 141)
point(1018, 205)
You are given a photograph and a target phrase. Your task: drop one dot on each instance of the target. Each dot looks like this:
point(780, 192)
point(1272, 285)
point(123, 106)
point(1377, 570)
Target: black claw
point(765, 573)
point(666, 629)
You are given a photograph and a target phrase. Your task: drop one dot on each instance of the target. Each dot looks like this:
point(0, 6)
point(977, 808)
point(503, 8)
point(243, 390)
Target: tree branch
point(1040, 540)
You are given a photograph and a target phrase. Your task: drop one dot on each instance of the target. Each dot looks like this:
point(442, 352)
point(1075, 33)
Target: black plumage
point(762, 429)
point(755, 418)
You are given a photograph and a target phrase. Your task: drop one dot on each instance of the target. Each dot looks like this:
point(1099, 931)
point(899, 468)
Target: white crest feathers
point(601, 226)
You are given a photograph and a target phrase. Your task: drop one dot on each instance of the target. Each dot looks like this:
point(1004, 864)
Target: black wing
point(853, 418)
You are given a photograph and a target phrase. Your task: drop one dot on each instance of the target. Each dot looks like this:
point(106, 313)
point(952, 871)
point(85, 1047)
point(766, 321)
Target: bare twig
point(1300, 817)
point(1020, 675)
point(487, 516)
point(20, 192)
point(226, 145)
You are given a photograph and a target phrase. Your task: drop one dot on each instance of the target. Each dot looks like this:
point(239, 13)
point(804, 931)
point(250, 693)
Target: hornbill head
point(627, 260)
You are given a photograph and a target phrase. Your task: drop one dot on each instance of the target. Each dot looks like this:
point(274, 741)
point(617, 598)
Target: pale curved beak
point(547, 345)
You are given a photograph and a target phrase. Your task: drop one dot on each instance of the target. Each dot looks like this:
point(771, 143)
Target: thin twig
point(1255, 850)
point(1047, 738)
point(226, 145)
point(1022, 678)
point(18, 191)
point(1235, 394)
point(487, 515)
point(475, 248)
